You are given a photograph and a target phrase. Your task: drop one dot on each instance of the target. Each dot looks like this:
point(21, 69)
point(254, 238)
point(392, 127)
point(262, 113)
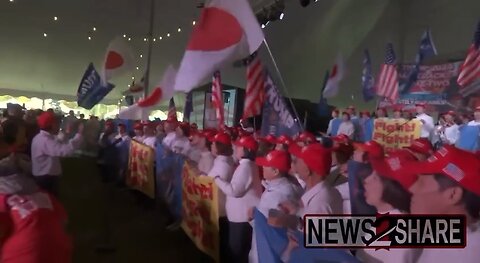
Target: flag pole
point(150, 45)
point(283, 83)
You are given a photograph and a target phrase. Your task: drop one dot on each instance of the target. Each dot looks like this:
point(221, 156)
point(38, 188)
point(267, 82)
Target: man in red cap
point(149, 138)
point(334, 123)
point(451, 130)
point(170, 127)
point(201, 154)
point(346, 127)
point(425, 119)
point(138, 129)
point(448, 183)
point(47, 150)
point(381, 113)
point(122, 133)
point(397, 112)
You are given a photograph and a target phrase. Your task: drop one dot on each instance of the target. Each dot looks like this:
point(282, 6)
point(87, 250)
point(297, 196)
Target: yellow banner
point(140, 166)
point(396, 133)
point(200, 211)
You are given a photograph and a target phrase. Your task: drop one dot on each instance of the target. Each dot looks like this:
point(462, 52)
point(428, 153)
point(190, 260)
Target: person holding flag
point(427, 121)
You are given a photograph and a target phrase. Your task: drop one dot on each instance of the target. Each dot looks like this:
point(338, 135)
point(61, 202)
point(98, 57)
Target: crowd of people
point(283, 178)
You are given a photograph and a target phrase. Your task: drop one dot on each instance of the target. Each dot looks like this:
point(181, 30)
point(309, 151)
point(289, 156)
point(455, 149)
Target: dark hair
point(264, 148)
point(185, 130)
point(208, 144)
point(249, 154)
point(224, 149)
point(395, 194)
point(470, 200)
point(10, 131)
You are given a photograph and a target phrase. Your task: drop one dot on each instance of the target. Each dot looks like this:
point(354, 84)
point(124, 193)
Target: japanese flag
point(227, 31)
point(119, 59)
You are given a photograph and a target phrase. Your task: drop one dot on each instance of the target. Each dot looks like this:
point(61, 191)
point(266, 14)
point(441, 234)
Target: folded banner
point(395, 133)
point(91, 90)
point(140, 166)
point(277, 119)
point(200, 211)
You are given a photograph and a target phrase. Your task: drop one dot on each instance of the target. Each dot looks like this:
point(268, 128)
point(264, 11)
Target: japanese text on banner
point(200, 211)
point(140, 166)
point(394, 134)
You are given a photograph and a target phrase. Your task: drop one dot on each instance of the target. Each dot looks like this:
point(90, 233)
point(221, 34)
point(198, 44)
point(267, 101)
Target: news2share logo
point(385, 231)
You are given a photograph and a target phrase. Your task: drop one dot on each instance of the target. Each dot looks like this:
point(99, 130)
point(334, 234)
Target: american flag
point(387, 85)
point(172, 110)
point(255, 91)
point(470, 69)
point(217, 98)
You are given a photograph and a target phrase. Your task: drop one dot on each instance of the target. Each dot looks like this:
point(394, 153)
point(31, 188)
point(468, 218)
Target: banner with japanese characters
point(396, 133)
point(140, 168)
point(200, 211)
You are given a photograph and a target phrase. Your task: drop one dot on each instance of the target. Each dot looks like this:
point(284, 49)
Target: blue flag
point(426, 50)
point(468, 139)
point(91, 91)
point(188, 109)
point(322, 107)
point(272, 241)
point(277, 119)
point(368, 88)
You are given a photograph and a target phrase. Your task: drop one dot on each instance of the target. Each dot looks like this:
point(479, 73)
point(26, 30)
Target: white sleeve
point(240, 183)
point(55, 149)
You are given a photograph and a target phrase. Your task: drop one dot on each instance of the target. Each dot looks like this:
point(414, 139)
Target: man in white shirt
point(448, 183)
point(346, 127)
point(46, 152)
point(170, 126)
point(149, 137)
point(476, 117)
point(427, 121)
point(451, 131)
point(122, 133)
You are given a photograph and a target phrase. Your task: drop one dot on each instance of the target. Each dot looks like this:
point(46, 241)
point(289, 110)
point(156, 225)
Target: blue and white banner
point(277, 119)
point(91, 90)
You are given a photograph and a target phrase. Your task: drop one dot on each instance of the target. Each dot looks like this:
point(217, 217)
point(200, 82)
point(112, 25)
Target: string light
point(137, 68)
point(94, 29)
point(55, 18)
point(45, 34)
point(281, 16)
point(133, 78)
point(263, 26)
point(124, 35)
point(11, 1)
point(141, 56)
point(89, 38)
point(179, 30)
point(168, 35)
point(160, 38)
point(154, 39)
point(129, 39)
point(144, 39)
point(194, 22)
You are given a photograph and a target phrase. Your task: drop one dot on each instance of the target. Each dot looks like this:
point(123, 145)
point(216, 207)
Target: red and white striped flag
point(172, 111)
point(255, 91)
point(470, 69)
point(387, 85)
point(217, 99)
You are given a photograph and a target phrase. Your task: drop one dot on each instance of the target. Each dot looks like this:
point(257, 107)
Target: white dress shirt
point(243, 191)
point(347, 128)
point(150, 141)
point(321, 199)
point(451, 134)
point(427, 126)
point(169, 140)
point(469, 254)
point(276, 192)
point(181, 146)
point(222, 167)
point(46, 153)
point(407, 255)
point(473, 123)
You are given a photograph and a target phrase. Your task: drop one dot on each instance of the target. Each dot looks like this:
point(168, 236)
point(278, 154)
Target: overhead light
point(160, 38)
point(54, 18)
point(154, 39)
point(179, 30)
point(133, 78)
point(144, 39)
point(11, 1)
point(94, 29)
point(137, 68)
point(129, 39)
point(263, 25)
point(194, 22)
point(89, 38)
point(168, 35)
point(141, 55)
point(124, 35)
point(44, 34)
point(282, 15)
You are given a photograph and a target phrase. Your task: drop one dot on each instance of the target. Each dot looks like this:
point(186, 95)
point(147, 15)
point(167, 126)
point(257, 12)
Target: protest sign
point(91, 89)
point(395, 133)
point(140, 168)
point(200, 211)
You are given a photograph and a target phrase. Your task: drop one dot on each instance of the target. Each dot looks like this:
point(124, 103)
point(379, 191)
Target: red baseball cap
point(316, 157)
point(341, 138)
point(247, 142)
point(422, 146)
point(390, 166)
point(138, 126)
point(461, 166)
point(269, 138)
point(373, 148)
point(276, 159)
point(284, 139)
point(222, 137)
point(306, 137)
point(46, 120)
point(397, 108)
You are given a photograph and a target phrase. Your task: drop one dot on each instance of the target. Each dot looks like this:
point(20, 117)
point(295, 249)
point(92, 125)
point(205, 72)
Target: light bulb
point(133, 78)
point(55, 18)
point(45, 34)
point(144, 39)
point(154, 39)
point(124, 35)
point(141, 55)
point(89, 38)
point(94, 29)
point(160, 38)
point(129, 39)
point(179, 30)
point(168, 35)
point(194, 22)
point(137, 68)
point(281, 16)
